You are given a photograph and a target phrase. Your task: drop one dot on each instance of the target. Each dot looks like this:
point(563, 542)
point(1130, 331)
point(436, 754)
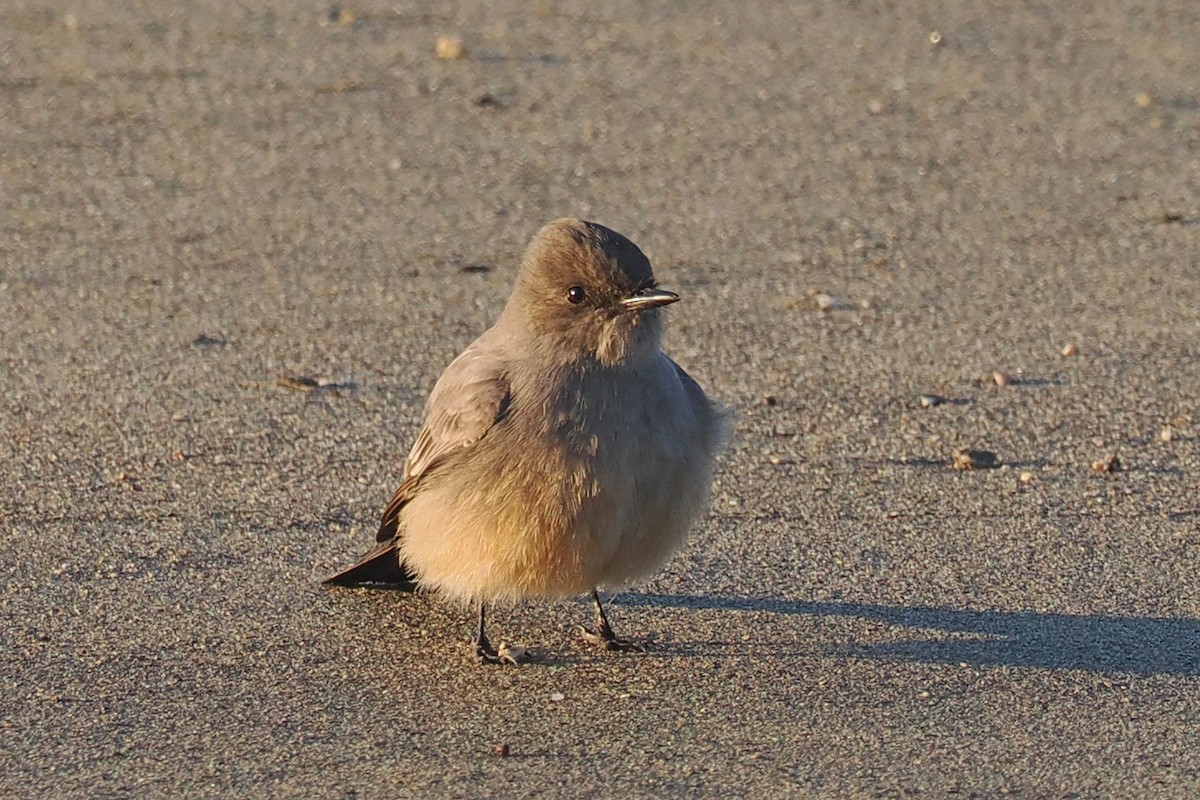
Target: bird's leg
point(486, 654)
point(483, 648)
point(604, 636)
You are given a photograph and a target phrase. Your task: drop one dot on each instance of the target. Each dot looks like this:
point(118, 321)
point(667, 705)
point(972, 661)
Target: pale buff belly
point(527, 533)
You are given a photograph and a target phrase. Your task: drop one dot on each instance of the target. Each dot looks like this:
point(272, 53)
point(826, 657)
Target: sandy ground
point(202, 208)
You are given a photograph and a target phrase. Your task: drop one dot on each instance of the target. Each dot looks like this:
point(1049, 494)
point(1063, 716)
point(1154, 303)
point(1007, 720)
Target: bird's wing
point(471, 397)
point(719, 420)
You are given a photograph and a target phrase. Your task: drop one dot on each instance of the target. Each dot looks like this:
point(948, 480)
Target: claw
point(506, 653)
point(607, 641)
point(486, 654)
point(512, 654)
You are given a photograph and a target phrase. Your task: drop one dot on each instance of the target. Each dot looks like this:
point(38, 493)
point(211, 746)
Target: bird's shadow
point(1092, 642)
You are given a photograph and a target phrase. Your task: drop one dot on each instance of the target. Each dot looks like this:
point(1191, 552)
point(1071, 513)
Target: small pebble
point(502, 750)
point(975, 459)
point(1001, 378)
point(449, 48)
point(1069, 350)
point(771, 400)
point(1110, 463)
point(558, 697)
point(935, 38)
point(1026, 477)
point(875, 106)
point(1166, 434)
point(299, 383)
point(930, 400)
point(827, 302)
point(1142, 99)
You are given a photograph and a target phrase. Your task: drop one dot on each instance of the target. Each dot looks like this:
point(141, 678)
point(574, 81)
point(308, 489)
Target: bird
point(562, 452)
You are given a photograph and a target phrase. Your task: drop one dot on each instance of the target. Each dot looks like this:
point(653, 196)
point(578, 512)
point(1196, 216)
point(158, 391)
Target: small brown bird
point(562, 451)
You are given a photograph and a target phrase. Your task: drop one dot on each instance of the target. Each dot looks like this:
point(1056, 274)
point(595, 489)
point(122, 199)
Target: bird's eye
point(575, 295)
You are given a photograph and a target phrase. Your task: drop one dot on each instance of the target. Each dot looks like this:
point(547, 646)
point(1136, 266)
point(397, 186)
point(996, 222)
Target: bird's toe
point(606, 640)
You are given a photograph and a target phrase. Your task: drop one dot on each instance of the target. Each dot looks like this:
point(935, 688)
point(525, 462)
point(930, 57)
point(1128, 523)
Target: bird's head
point(586, 290)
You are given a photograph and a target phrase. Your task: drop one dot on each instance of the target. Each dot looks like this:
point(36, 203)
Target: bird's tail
point(378, 569)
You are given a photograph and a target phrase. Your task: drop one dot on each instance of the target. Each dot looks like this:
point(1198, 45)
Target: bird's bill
point(648, 298)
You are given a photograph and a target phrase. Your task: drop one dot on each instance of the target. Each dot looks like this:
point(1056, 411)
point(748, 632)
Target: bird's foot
point(607, 640)
point(506, 653)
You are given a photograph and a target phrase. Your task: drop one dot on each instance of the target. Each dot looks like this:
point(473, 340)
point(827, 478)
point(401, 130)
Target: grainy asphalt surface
point(198, 201)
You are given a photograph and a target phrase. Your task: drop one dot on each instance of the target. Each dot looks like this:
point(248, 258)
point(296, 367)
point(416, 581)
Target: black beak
point(648, 298)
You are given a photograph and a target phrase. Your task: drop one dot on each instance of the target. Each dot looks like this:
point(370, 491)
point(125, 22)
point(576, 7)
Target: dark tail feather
point(378, 569)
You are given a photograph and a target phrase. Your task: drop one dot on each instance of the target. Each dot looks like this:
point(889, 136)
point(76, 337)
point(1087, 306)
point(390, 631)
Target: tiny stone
point(875, 106)
point(1026, 477)
point(1001, 378)
point(1110, 463)
point(1070, 350)
point(558, 697)
point(502, 750)
point(827, 302)
point(449, 48)
point(771, 400)
point(1166, 434)
point(1142, 99)
point(935, 38)
point(775, 460)
point(975, 459)
point(930, 400)
point(300, 383)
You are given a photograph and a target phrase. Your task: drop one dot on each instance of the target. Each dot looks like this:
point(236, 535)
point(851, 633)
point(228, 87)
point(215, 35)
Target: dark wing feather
point(378, 569)
point(390, 522)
